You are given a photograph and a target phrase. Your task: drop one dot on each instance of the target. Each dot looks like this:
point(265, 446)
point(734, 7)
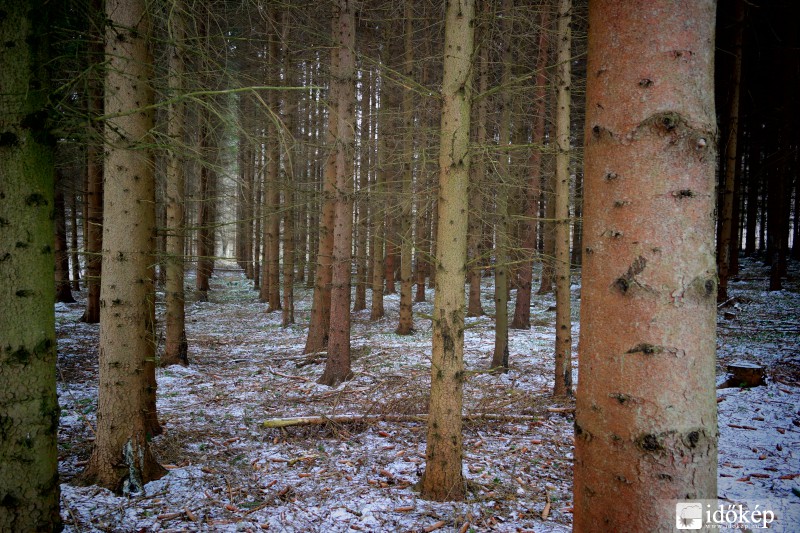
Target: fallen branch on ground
point(352, 419)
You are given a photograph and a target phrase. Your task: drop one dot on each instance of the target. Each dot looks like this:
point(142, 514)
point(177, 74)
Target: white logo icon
point(689, 515)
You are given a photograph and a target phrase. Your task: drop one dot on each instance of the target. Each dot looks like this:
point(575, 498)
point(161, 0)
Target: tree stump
point(745, 374)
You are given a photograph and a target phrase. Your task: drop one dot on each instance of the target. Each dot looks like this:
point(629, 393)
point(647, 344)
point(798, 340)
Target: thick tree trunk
point(337, 366)
point(176, 349)
point(29, 489)
point(443, 478)
point(646, 423)
point(121, 459)
point(563, 347)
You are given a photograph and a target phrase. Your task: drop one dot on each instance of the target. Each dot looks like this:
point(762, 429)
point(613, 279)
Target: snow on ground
point(229, 473)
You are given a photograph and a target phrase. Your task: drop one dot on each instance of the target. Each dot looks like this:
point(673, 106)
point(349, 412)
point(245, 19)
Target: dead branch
point(352, 419)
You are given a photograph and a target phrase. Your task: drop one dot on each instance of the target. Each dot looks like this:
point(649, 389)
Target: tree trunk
point(94, 170)
point(63, 288)
point(29, 488)
point(478, 172)
point(522, 308)
point(337, 366)
point(360, 302)
point(176, 349)
point(646, 423)
point(270, 289)
point(548, 233)
point(443, 478)
point(319, 327)
point(73, 245)
point(121, 459)
point(204, 251)
point(503, 220)
point(563, 347)
point(406, 322)
point(288, 133)
point(726, 220)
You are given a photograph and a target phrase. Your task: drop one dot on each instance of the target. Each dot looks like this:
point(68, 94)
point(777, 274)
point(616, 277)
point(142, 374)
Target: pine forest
point(411, 265)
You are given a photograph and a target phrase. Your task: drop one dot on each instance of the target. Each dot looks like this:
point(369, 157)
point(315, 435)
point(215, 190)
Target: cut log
point(745, 374)
point(353, 419)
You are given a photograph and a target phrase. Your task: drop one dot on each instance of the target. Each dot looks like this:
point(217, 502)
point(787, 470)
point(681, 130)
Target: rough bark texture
point(121, 459)
point(176, 345)
point(337, 366)
point(561, 267)
point(443, 478)
point(29, 490)
point(646, 423)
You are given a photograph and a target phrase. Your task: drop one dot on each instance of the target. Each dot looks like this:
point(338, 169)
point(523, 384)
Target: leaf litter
point(226, 472)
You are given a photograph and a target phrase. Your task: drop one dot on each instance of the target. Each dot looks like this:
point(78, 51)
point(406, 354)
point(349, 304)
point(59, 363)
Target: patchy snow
point(228, 473)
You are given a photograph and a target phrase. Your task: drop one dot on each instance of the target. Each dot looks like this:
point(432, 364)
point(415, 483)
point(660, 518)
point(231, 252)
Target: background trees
point(299, 162)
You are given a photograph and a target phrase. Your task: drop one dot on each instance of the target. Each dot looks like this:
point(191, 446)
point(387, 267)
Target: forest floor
point(229, 473)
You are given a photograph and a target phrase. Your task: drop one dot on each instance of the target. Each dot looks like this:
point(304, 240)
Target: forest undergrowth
point(227, 472)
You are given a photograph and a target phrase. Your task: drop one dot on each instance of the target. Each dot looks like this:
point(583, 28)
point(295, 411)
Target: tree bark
point(288, 134)
point(646, 422)
point(319, 327)
point(406, 321)
point(176, 345)
point(94, 168)
point(360, 302)
point(121, 459)
point(337, 366)
point(478, 172)
point(63, 287)
point(563, 347)
point(443, 478)
point(73, 246)
point(726, 220)
point(522, 306)
point(29, 488)
point(503, 219)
